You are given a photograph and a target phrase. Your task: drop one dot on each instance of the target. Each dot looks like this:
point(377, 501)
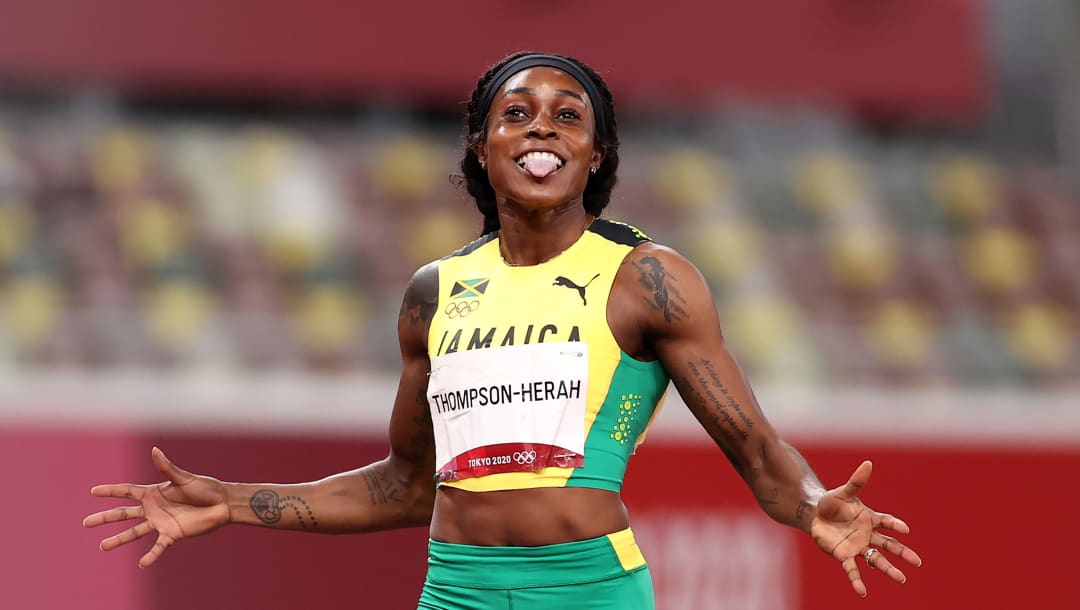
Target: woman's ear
point(599, 152)
point(481, 154)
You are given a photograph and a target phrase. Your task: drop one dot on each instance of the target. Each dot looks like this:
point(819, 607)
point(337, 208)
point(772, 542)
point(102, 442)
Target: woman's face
point(540, 139)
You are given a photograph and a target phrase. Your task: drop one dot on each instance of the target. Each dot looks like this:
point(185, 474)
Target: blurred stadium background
point(208, 214)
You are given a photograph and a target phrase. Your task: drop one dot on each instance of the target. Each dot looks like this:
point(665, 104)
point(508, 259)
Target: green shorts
point(602, 573)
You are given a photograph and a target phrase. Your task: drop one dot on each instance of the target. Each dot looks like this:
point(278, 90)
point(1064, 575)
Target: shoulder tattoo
point(421, 297)
point(662, 291)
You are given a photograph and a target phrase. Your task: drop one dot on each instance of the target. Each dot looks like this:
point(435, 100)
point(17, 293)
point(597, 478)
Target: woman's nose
point(542, 128)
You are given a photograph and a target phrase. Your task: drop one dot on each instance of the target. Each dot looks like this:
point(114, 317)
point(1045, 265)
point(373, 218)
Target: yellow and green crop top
point(528, 387)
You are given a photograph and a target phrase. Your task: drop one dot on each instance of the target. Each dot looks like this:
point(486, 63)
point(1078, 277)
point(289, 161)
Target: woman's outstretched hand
point(846, 528)
point(183, 506)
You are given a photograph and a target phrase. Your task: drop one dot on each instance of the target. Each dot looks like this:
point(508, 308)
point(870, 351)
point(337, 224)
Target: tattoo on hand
point(664, 295)
point(268, 507)
point(382, 489)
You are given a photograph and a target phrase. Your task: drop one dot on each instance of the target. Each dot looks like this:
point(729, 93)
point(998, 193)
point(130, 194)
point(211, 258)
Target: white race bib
point(509, 409)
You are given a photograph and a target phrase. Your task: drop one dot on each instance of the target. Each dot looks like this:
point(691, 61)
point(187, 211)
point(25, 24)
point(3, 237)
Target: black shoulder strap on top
point(619, 232)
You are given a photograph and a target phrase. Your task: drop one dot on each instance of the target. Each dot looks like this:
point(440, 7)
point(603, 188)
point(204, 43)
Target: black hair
point(599, 186)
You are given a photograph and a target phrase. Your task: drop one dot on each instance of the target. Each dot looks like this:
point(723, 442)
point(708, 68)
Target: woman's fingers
point(119, 490)
point(878, 561)
point(163, 542)
point(129, 535)
point(896, 547)
point(852, 568)
point(889, 522)
point(113, 515)
point(177, 475)
point(850, 491)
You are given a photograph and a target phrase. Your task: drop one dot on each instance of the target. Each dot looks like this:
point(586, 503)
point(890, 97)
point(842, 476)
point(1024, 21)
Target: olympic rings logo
point(460, 309)
point(524, 457)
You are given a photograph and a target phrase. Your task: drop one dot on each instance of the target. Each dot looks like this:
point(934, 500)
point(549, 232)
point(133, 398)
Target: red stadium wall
point(922, 57)
point(995, 525)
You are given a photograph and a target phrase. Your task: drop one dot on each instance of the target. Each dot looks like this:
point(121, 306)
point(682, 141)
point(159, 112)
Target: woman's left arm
point(680, 326)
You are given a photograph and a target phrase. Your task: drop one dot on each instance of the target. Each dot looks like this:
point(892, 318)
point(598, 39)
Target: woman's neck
point(530, 236)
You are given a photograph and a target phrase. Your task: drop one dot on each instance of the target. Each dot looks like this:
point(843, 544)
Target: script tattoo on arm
point(268, 506)
point(728, 418)
point(695, 395)
point(722, 405)
point(663, 295)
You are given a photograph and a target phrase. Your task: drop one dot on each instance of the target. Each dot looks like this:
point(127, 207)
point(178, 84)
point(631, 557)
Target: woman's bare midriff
point(526, 517)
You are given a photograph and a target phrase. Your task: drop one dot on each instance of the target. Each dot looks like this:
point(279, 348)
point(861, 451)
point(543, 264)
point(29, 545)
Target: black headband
point(549, 61)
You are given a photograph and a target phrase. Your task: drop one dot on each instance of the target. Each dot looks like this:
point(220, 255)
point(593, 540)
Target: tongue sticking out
point(540, 167)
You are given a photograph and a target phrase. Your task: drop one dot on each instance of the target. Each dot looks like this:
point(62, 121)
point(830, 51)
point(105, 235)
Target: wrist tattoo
point(265, 504)
point(268, 506)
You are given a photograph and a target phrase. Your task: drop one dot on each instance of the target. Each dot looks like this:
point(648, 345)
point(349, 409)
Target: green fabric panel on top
point(626, 412)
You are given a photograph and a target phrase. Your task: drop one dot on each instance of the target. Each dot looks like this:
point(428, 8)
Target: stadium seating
point(835, 258)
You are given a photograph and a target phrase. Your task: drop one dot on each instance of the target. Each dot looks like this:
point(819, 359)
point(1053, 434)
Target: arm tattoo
point(268, 507)
point(663, 294)
point(696, 397)
point(718, 398)
point(265, 504)
point(383, 490)
point(421, 299)
point(294, 502)
point(714, 377)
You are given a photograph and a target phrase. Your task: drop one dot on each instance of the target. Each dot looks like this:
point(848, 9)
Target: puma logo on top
point(563, 281)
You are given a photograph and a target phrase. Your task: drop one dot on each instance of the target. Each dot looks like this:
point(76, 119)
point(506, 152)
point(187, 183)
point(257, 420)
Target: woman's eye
point(515, 111)
point(569, 114)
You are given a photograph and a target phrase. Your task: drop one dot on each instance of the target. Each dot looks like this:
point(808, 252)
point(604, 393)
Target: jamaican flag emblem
point(468, 288)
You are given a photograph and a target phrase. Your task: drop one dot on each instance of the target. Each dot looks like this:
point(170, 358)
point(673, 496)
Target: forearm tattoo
point(268, 507)
point(693, 395)
point(383, 489)
point(723, 408)
point(663, 294)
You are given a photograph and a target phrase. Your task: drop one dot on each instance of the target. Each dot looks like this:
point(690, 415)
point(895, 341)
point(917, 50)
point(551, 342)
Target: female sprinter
point(533, 361)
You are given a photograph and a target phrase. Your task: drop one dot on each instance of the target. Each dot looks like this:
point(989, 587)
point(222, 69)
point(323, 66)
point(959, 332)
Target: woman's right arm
point(395, 492)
